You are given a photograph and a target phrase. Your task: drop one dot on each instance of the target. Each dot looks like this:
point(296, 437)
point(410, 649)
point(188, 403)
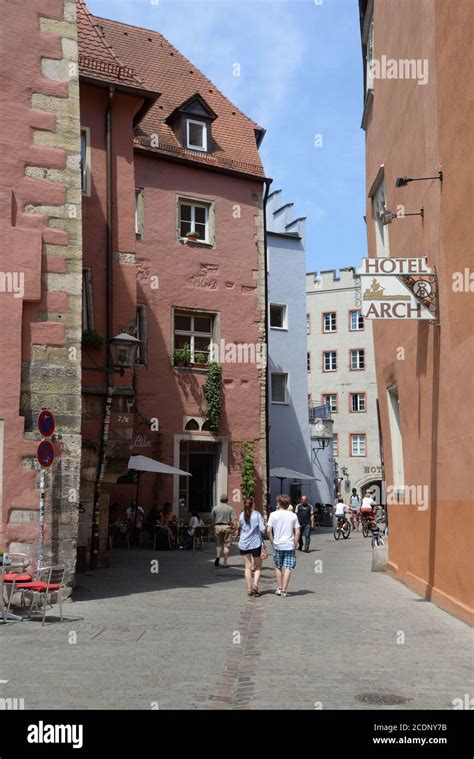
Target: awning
point(282, 473)
point(145, 464)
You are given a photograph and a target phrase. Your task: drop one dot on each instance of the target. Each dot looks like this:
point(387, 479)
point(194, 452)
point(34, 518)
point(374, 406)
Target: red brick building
point(165, 155)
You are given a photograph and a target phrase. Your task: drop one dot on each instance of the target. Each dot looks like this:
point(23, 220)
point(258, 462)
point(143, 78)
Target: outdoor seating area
point(163, 531)
point(29, 589)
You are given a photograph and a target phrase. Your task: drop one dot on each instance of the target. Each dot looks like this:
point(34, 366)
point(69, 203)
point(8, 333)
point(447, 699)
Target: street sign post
point(45, 455)
point(46, 423)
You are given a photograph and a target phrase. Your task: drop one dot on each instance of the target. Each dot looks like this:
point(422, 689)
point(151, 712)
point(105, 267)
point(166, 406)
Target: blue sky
point(300, 76)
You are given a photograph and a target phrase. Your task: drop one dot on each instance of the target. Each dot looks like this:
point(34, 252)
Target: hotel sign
point(397, 288)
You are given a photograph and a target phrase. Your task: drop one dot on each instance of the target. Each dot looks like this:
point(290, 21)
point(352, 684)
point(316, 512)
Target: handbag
point(264, 553)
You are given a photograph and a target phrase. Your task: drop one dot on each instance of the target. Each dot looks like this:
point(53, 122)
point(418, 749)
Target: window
point(396, 439)
point(356, 321)
point(357, 359)
point(193, 333)
point(139, 213)
point(329, 322)
point(329, 361)
point(141, 334)
point(335, 444)
point(277, 316)
point(308, 324)
point(357, 402)
point(370, 56)
point(308, 361)
point(194, 217)
point(87, 300)
point(85, 161)
point(358, 444)
point(330, 399)
point(379, 208)
point(279, 388)
point(196, 135)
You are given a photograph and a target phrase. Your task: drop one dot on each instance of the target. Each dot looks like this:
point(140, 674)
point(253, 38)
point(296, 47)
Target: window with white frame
point(196, 135)
point(141, 334)
point(85, 161)
point(308, 361)
point(358, 444)
point(329, 361)
point(335, 444)
point(330, 399)
point(87, 300)
point(369, 82)
point(396, 439)
point(139, 212)
point(356, 321)
point(279, 387)
point(379, 208)
point(357, 359)
point(308, 324)
point(329, 322)
point(278, 316)
point(358, 402)
point(193, 337)
point(194, 220)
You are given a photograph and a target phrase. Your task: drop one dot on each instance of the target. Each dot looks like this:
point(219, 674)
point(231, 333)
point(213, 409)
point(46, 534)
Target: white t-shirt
point(367, 503)
point(283, 525)
point(341, 509)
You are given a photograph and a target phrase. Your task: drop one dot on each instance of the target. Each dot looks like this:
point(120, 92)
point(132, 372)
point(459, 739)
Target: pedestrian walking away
point(284, 532)
point(304, 513)
point(223, 521)
point(355, 506)
point(251, 532)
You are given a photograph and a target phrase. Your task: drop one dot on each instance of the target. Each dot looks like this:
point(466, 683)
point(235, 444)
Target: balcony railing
point(318, 412)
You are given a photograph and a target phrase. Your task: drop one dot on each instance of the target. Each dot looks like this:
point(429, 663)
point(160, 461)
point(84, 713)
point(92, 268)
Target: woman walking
point(251, 531)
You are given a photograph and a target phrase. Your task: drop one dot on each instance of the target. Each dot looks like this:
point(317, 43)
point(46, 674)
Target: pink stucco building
point(40, 277)
point(165, 155)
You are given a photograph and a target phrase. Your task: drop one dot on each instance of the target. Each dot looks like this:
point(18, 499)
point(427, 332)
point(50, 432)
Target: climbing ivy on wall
point(213, 395)
point(247, 484)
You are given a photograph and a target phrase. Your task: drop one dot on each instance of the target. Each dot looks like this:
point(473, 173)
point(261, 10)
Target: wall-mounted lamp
point(403, 181)
point(388, 216)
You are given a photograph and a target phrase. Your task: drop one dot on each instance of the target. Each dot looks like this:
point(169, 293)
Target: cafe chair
point(47, 582)
point(198, 539)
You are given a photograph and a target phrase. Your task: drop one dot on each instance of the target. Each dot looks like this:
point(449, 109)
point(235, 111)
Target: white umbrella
point(282, 473)
point(145, 464)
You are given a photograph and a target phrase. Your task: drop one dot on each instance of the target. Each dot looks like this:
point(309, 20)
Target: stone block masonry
point(41, 185)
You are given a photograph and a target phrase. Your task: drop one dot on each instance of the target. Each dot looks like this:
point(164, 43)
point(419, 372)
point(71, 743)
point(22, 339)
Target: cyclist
point(341, 511)
point(367, 508)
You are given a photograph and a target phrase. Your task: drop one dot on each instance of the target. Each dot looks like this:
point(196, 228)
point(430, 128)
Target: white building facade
point(341, 374)
point(293, 440)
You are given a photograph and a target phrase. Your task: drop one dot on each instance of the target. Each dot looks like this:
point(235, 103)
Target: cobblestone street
point(189, 638)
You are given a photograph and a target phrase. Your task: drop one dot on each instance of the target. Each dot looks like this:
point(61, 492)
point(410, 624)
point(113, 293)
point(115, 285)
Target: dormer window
point(196, 135)
point(192, 124)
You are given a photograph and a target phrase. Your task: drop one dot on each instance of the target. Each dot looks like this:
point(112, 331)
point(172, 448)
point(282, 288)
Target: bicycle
point(377, 537)
point(343, 527)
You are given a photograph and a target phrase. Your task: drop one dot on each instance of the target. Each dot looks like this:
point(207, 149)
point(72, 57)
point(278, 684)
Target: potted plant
point(201, 357)
point(182, 356)
point(192, 236)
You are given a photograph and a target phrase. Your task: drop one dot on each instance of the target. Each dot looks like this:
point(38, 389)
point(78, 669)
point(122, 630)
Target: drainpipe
point(267, 375)
point(101, 464)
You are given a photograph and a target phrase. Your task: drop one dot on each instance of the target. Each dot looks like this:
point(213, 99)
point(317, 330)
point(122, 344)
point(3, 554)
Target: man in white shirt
point(340, 511)
point(284, 532)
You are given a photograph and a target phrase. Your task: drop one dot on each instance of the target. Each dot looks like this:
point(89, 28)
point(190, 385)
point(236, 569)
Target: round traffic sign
point(45, 453)
point(46, 423)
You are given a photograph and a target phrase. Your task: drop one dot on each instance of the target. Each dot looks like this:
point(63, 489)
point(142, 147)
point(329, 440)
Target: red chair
point(16, 570)
point(48, 580)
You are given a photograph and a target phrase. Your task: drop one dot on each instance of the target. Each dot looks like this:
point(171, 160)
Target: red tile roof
point(97, 60)
point(163, 69)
